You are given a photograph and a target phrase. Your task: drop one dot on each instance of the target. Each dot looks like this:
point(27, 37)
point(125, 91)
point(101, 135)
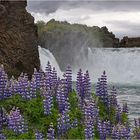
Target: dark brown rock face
point(127, 42)
point(18, 38)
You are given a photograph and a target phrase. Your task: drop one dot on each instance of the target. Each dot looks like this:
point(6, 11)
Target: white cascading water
point(45, 55)
point(122, 65)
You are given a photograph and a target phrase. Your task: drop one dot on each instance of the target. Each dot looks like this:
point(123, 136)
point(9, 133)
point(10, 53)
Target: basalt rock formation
point(18, 38)
point(127, 42)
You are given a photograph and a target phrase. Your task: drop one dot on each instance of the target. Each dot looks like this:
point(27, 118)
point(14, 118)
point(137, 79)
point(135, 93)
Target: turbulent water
point(122, 67)
point(131, 96)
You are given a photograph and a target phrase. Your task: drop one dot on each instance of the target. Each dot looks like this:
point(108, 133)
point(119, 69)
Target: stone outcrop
point(18, 38)
point(127, 42)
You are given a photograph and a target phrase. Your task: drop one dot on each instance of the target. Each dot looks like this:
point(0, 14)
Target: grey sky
point(121, 17)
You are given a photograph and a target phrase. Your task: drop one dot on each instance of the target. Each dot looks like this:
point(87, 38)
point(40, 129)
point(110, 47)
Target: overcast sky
point(121, 17)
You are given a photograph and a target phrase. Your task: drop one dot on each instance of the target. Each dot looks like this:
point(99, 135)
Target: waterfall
point(122, 65)
point(45, 55)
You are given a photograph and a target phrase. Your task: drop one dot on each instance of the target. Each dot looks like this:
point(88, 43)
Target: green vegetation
point(33, 112)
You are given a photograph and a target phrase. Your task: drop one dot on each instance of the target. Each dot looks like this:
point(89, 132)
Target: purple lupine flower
point(61, 97)
point(33, 88)
point(102, 129)
point(2, 136)
point(64, 85)
point(74, 123)
point(7, 92)
point(23, 127)
point(125, 108)
point(108, 128)
point(3, 118)
point(83, 85)
point(115, 134)
point(16, 121)
point(120, 131)
point(69, 78)
point(101, 89)
point(39, 135)
point(89, 129)
point(48, 76)
point(90, 112)
point(3, 81)
point(87, 85)
point(113, 97)
point(48, 103)
point(60, 125)
point(37, 78)
point(118, 114)
point(54, 78)
point(63, 123)
point(98, 88)
point(137, 128)
point(20, 85)
point(137, 123)
point(67, 119)
point(43, 92)
point(124, 133)
point(50, 132)
point(25, 88)
point(43, 82)
point(79, 84)
point(14, 85)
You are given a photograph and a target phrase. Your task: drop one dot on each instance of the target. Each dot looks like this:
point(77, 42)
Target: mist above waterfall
point(121, 65)
point(67, 41)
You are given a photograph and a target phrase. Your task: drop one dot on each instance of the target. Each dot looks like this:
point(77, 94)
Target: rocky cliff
point(129, 42)
point(18, 38)
point(65, 40)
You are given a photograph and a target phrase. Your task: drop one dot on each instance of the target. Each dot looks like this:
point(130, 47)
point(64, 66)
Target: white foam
point(121, 65)
point(45, 56)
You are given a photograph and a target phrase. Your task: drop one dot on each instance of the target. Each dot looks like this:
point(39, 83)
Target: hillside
point(65, 40)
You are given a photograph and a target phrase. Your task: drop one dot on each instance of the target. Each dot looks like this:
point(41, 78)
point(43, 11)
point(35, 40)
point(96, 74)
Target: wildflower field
point(47, 107)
